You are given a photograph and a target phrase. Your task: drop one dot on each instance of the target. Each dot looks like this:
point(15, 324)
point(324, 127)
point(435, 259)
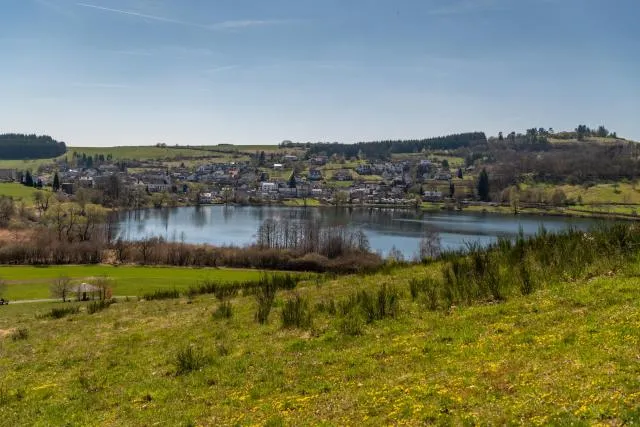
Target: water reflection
point(385, 228)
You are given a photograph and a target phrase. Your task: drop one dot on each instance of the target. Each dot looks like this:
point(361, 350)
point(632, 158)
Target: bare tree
point(121, 250)
point(145, 246)
point(430, 245)
point(42, 200)
point(61, 287)
point(3, 287)
point(395, 255)
point(103, 283)
point(7, 209)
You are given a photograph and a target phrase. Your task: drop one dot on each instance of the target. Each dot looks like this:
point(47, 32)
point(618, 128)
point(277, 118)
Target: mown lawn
point(34, 282)
point(566, 355)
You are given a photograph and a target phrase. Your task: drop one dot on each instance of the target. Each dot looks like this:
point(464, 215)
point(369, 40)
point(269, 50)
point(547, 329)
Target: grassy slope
point(565, 354)
point(220, 153)
point(24, 164)
point(618, 193)
point(142, 152)
point(17, 191)
point(34, 282)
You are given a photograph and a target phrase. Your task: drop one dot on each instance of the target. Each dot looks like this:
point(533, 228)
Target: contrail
point(226, 25)
point(142, 15)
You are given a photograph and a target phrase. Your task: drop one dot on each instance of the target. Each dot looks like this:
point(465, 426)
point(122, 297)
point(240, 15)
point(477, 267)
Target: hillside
point(566, 355)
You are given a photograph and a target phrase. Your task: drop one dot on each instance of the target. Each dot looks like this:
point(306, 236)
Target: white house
point(268, 187)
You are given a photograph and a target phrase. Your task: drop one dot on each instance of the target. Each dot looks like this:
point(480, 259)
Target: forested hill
point(383, 149)
point(19, 146)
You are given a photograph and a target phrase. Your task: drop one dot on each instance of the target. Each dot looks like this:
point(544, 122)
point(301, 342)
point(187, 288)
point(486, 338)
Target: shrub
point(373, 305)
point(526, 284)
point(100, 305)
point(222, 291)
point(20, 334)
point(223, 349)
point(328, 307)
point(224, 311)
point(161, 294)
point(284, 281)
point(188, 359)
point(296, 313)
point(265, 296)
point(59, 313)
point(351, 324)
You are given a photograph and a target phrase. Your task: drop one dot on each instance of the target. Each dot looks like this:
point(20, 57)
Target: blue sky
point(133, 72)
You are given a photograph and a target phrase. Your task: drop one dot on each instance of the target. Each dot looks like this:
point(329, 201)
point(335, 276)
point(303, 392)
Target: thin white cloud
point(101, 85)
point(214, 70)
point(134, 52)
point(234, 25)
point(468, 6)
point(225, 25)
point(165, 51)
point(141, 15)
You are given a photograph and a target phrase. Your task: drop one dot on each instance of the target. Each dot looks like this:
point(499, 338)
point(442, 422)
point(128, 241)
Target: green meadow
point(24, 282)
point(17, 191)
point(564, 355)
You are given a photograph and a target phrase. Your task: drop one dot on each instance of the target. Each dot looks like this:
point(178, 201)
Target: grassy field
point(33, 282)
point(17, 191)
point(142, 152)
point(219, 152)
point(605, 193)
point(23, 165)
point(566, 355)
point(302, 203)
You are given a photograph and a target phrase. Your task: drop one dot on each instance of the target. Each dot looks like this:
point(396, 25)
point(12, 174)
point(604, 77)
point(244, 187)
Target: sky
point(138, 72)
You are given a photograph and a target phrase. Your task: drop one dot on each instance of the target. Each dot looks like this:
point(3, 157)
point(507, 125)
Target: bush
point(296, 313)
point(223, 349)
point(224, 311)
point(188, 359)
point(161, 294)
point(351, 324)
point(428, 289)
point(265, 296)
point(373, 305)
point(59, 313)
point(20, 334)
point(222, 291)
point(328, 307)
point(97, 306)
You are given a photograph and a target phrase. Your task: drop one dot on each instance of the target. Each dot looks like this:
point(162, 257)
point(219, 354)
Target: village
point(273, 178)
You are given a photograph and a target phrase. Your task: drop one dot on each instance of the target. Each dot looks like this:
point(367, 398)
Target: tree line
point(14, 146)
point(384, 149)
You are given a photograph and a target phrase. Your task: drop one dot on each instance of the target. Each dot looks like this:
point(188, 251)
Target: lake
point(385, 228)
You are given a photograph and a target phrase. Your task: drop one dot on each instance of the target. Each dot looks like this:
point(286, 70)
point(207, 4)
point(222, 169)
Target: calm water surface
point(385, 228)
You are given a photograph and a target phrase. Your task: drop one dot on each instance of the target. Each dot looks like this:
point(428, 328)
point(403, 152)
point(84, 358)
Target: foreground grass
point(564, 355)
point(25, 282)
